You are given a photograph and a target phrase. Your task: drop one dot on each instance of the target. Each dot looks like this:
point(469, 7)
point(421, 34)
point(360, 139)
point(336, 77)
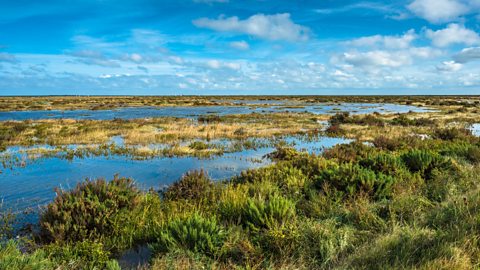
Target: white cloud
point(438, 11)
point(375, 59)
point(453, 34)
point(240, 45)
point(271, 27)
point(391, 42)
point(467, 55)
point(216, 64)
point(449, 66)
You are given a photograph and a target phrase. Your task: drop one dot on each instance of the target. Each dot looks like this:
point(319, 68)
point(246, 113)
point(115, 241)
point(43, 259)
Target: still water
point(33, 185)
point(193, 112)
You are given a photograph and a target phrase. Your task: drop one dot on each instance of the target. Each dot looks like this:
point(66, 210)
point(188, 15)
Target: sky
point(197, 47)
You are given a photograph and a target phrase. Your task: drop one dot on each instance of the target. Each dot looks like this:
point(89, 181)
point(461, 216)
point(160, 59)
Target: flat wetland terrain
point(240, 182)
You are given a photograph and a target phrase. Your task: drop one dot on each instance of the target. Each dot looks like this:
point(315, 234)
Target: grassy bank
point(403, 203)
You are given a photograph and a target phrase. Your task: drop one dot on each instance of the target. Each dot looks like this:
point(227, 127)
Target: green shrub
point(288, 178)
point(353, 179)
point(422, 161)
point(259, 213)
point(403, 120)
point(383, 163)
point(12, 258)
point(283, 154)
point(194, 233)
point(82, 255)
point(231, 202)
point(345, 153)
point(88, 211)
point(195, 185)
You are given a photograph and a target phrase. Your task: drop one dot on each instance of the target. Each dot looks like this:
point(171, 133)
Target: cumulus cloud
point(467, 55)
point(391, 42)
point(453, 34)
point(6, 57)
point(271, 27)
point(240, 45)
point(438, 11)
point(449, 66)
point(375, 59)
point(378, 60)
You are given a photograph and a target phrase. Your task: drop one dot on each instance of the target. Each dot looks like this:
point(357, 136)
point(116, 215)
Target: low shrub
point(422, 161)
point(383, 163)
point(345, 153)
point(82, 255)
point(450, 134)
point(289, 179)
point(195, 185)
point(87, 212)
point(194, 233)
point(353, 179)
point(259, 213)
point(231, 202)
point(339, 118)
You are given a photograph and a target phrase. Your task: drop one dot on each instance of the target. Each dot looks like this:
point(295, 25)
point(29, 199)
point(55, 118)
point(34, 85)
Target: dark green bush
point(194, 233)
point(353, 179)
point(87, 211)
point(195, 185)
point(422, 161)
point(383, 163)
point(403, 120)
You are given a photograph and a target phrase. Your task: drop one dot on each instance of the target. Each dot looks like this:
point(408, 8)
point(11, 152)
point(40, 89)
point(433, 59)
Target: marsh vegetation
point(404, 194)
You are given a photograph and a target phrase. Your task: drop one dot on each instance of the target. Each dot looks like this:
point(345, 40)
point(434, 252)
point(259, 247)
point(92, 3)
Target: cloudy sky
point(239, 47)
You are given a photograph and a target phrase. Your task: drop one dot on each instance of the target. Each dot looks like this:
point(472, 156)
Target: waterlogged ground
point(33, 185)
point(29, 182)
point(195, 111)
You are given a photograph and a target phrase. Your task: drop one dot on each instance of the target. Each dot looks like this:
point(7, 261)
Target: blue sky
point(153, 47)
